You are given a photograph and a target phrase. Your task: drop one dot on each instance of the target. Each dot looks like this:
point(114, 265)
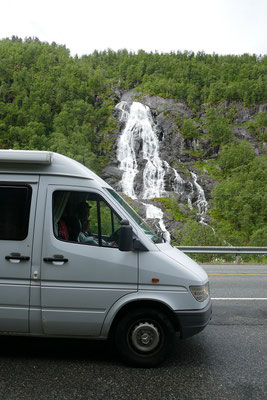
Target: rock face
point(160, 162)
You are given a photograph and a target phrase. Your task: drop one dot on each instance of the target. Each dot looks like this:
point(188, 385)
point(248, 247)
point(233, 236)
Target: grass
point(211, 167)
point(171, 207)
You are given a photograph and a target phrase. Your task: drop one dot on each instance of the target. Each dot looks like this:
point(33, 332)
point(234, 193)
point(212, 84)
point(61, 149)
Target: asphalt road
point(228, 360)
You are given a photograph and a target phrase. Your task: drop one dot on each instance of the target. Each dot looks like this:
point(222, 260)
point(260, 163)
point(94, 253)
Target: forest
point(50, 100)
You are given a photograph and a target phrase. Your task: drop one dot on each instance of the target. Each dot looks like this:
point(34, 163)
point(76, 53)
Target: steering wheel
point(115, 236)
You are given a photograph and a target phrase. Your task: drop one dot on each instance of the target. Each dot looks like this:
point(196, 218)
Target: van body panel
point(18, 178)
point(59, 165)
point(15, 266)
point(184, 262)
point(76, 295)
point(168, 271)
point(173, 299)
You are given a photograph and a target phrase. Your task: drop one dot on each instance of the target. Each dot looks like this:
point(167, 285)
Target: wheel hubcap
point(145, 337)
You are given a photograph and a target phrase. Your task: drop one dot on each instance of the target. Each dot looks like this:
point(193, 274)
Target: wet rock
point(245, 114)
point(112, 175)
point(177, 151)
point(167, 106)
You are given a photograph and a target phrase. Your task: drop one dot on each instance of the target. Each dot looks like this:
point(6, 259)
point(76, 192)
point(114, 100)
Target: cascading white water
point(191, 194)
point(178, 182)
point(126, 153)
point(138, 142)
point(201, 202)
point(154, 172)
point(139, 128)
point(153, 212)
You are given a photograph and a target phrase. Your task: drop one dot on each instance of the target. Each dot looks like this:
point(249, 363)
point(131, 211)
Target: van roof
point(44, 163)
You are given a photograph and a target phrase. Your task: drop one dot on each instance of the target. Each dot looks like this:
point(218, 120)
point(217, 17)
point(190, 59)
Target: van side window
point(85, 218)
point(15, 202)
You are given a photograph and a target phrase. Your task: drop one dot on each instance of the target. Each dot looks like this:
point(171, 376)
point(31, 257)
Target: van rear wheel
point(144, 337)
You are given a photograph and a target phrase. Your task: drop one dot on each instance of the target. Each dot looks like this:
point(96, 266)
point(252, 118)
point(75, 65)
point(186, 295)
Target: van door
point(83, 271)
point(17, 207)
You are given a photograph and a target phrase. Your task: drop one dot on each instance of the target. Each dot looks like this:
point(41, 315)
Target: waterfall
point(153, 212)
point(190, 196)
point(126, 154)
point(178, 184)
point(201, 202)
point(138, 136)
point(139, 129)
point(138, 149)
point(153, 175)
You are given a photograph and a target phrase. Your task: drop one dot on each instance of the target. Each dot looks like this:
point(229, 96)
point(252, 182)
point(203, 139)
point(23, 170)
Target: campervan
point(77, 261)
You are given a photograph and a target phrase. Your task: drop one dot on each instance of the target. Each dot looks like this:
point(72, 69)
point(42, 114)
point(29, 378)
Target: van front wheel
point(144, 337)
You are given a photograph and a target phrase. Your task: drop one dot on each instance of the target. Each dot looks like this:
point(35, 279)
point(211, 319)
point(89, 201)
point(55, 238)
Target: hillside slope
point(208, 111)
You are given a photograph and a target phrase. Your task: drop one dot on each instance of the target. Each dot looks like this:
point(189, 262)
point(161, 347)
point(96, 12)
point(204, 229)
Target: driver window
point(110, 224)
point(109, 221)
point(85, 218)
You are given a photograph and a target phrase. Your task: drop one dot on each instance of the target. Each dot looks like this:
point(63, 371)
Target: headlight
point(200, 293)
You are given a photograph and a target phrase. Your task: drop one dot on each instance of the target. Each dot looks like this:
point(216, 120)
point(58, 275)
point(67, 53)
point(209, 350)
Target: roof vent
point(25, 156)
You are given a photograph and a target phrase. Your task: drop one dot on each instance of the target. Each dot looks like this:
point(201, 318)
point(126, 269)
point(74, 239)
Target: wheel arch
point(143, 303)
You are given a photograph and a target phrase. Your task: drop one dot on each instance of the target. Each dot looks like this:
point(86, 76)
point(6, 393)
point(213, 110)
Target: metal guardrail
point(222, 250)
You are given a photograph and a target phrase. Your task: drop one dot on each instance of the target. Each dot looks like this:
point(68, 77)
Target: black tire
point(144, 337)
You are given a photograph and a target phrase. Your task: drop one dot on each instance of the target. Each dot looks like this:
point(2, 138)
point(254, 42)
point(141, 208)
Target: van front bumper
point(193, 321)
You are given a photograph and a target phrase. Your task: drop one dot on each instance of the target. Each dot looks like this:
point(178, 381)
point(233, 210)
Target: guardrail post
point(237, 259)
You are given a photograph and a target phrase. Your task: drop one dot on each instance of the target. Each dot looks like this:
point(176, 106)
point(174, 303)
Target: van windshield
point(143, 225)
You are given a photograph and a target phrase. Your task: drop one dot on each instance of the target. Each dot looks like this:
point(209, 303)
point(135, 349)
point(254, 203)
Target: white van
point(77, 261)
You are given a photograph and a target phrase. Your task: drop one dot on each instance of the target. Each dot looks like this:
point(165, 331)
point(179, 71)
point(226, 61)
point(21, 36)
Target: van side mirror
point(126, 236)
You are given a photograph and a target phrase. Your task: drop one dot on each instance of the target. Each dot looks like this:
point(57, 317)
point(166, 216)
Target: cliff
point(185, 160)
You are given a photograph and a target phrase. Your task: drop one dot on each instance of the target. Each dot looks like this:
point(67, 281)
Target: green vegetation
point(259, 126)
point(218, 127)
point(241, 202)
point(210, 167)
point(236, 155)
point(194, 154)
point(239, 210)
point(171, 208)
point(52, 101)
point(195, 234)
point(189, 128)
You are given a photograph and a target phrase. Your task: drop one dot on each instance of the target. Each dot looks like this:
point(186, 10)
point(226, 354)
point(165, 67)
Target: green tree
point(241, 200)
point(235, 155)
point(189, 128)
point(196, 234)
point(259, 237)
point(218, 127)
point(259, 126)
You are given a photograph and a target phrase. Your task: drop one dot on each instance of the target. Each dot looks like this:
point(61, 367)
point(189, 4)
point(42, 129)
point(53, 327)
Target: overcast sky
point(220, 26)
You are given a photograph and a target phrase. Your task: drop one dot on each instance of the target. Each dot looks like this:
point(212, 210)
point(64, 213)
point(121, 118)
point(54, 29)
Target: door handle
point(56, 260)
point(15, 259)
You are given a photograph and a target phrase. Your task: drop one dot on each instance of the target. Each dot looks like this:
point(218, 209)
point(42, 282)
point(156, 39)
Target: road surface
point(225, 361)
